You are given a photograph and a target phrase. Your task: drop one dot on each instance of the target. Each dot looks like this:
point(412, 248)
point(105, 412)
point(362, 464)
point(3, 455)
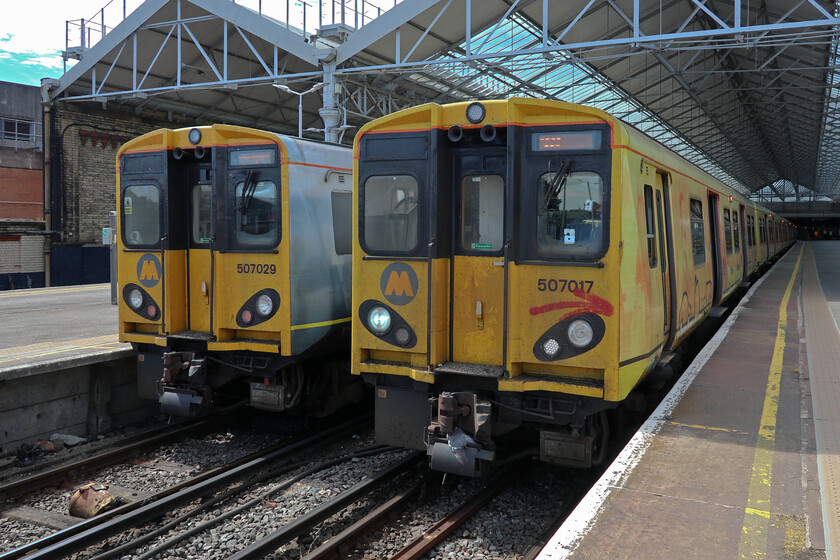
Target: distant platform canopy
point(746, 90)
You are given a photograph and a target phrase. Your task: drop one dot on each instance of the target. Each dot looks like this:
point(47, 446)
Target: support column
point(47, 84)
point(330, 112)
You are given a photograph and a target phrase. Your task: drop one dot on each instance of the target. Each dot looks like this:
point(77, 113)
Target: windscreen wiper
point(248, 191)
point(558, 182)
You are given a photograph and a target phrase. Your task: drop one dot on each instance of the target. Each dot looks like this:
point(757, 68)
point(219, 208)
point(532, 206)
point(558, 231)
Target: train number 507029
point(256, 268)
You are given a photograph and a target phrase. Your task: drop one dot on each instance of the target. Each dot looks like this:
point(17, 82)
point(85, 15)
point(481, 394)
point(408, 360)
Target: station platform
point(62, 367)
point(54, 329)
point(45, 357)
point(742, 458)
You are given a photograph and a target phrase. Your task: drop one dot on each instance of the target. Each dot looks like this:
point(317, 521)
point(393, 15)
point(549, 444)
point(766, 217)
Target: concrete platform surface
point(741, 458)
point(56, 314)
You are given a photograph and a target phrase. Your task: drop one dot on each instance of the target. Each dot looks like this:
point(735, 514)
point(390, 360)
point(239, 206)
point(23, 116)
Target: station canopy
point(746, 89)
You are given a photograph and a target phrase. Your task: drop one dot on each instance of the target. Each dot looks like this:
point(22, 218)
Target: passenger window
point(390, 213)
point(202, 213)
point(256, 212)
point(750, 231)
point(569, 214)
point(727, 230)
point(342, 215)
point(698, 240)
point(482, 212)
point(736, 234)
point(141, 216)
point(649, 227)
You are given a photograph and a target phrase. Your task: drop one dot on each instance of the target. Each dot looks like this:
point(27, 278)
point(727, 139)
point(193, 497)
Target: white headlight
point(580, 333)
point(379, 320)
point(475, 112)
point(264, 305)
point(135, 298)
point(551, 347)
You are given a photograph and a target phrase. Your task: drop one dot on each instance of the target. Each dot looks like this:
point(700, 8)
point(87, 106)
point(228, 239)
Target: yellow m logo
point(149, 271)
point(399, 284)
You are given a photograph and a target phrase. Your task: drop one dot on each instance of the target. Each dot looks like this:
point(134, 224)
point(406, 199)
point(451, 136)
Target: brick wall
point(89, 138)
point(21, 193)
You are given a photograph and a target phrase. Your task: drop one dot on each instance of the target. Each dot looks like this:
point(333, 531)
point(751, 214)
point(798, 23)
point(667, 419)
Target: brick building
point(22, 235)
point(84, 140)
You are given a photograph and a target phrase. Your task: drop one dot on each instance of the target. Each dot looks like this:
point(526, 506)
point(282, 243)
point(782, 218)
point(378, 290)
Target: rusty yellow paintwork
point(477, 337)
point(631, 295)
point(190, 308)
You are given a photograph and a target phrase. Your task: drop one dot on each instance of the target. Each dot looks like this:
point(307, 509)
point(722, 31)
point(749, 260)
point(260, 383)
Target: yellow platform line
point(107, 342)
point(39, 291)
point(757, 513)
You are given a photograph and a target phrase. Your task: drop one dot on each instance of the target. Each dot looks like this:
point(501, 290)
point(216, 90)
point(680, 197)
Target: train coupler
point(184, 366)
point(183, 402)
point(458, 440)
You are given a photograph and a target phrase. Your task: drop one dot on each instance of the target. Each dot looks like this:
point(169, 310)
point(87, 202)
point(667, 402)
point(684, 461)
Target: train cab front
point(199, 261)
point(479, 291)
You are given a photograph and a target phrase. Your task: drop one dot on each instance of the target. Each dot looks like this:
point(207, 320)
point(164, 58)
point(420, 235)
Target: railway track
point(389, 505)
point(63, 473)
point(127, 517)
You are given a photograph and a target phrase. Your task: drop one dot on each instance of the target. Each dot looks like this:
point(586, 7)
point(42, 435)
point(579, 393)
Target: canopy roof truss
point(746, 89)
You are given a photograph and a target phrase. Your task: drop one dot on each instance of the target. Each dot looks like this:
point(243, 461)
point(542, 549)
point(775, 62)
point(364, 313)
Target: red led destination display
point(573, 140)
point(252, 157)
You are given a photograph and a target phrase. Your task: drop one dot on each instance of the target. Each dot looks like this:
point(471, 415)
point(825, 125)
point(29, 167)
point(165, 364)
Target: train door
point(714, 232)
point(198, 179)
point(478, 303)
point(664, 255)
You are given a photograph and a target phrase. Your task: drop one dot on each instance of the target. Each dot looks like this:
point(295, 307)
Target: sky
point(33, 32)
point(32, 35)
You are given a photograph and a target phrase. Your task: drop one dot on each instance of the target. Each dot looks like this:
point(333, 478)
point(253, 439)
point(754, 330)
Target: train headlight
point(379, 320)
point(475, 112)
point(135, 298)
point(194, 136)
point(580, 333)
point(551, 347)
point(265, 305)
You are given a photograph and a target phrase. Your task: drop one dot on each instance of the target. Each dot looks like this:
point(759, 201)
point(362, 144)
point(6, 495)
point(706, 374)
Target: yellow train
point(521, 266)
point(234, 267)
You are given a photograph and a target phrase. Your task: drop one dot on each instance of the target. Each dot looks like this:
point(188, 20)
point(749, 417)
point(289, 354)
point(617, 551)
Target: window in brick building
point(12, 129)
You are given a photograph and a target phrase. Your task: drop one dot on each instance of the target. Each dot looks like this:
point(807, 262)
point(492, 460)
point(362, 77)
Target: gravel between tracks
point(503, 530)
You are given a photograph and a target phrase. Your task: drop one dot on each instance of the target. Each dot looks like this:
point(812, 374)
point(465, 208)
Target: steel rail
point(305, 523)
point(62, 473)
point(338, 547)
point(78, 537)
point(440, 530)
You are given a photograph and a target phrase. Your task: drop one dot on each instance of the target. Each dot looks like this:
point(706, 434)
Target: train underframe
point(465, 432)
point(189, 381)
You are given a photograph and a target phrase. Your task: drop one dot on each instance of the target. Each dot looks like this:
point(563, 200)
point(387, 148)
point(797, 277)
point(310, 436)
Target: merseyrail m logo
point(148, 270)
point(398, 283)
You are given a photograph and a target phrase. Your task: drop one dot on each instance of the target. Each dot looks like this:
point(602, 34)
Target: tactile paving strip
point(823, 344)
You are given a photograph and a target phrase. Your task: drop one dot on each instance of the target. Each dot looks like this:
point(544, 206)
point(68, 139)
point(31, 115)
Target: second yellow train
point(234, 265)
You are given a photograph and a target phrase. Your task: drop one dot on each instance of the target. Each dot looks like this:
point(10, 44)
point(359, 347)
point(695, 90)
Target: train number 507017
point(560, 285)
point(256, 268)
